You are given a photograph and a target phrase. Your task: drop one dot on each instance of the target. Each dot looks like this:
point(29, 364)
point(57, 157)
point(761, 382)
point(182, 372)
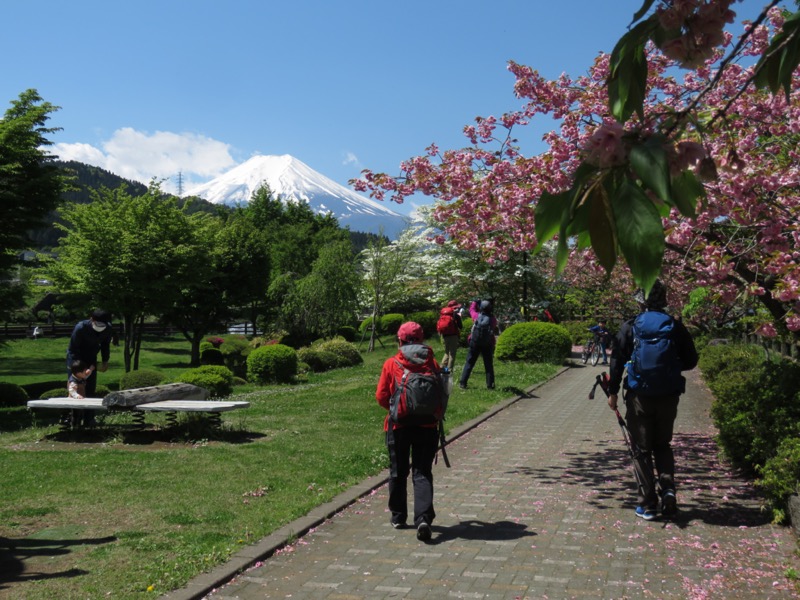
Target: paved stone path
point(539, 503)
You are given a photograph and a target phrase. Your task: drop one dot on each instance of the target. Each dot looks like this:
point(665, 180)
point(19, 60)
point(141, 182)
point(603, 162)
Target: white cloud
point(351, 159)
point(141, 156)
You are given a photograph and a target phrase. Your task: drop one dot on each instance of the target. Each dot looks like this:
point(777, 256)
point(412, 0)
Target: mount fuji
point(291, 179)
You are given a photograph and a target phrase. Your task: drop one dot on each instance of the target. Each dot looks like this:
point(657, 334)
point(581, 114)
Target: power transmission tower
point(180, 184)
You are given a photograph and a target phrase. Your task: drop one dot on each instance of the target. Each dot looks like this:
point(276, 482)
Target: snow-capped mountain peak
point(292, 179)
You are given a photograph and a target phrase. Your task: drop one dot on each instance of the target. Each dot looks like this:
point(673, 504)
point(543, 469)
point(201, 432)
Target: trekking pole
point(443, 444)
point(603, 380)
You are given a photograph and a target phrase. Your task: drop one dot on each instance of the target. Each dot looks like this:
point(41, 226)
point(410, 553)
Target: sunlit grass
point(149, 511)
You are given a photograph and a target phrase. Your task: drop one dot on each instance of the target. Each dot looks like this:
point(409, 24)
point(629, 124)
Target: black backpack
point(482, 333)
point(419, 397)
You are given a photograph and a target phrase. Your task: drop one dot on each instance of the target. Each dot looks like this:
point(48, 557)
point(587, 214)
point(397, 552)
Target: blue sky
point(150, 88)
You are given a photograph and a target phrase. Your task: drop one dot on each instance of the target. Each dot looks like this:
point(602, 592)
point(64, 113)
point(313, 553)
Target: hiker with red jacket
point(417, 436)
point(449, 327)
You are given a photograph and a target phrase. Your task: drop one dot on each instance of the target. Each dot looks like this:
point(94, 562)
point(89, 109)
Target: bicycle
point(591, 350)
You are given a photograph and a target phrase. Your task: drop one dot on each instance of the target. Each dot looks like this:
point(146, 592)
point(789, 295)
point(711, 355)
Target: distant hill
point(87, 178)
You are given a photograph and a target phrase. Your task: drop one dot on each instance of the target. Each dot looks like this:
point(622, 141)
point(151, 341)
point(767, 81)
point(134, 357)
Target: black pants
point(412, 450)
point(651, 420)
point(487, 352)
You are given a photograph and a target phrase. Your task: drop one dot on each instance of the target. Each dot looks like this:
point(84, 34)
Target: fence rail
point(26, 331)
point(784, 348)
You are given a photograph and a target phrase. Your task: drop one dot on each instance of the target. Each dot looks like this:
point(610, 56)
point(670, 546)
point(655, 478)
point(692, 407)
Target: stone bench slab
point(69, 403)
point(191, 406)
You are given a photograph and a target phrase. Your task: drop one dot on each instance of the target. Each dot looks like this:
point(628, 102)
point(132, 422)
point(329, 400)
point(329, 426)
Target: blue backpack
point(654, 368)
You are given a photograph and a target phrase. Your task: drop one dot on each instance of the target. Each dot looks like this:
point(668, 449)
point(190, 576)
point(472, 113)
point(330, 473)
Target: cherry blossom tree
point(675, 156)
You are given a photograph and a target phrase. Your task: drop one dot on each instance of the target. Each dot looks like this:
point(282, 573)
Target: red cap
point(453, 304)
point(410, 332)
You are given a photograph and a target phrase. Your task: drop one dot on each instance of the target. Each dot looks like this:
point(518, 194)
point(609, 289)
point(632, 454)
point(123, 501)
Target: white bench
point(172, 407)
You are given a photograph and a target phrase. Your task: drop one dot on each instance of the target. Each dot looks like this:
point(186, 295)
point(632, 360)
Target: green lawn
point(125, 514)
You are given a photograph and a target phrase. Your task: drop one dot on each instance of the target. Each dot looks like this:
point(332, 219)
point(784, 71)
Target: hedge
point(536, 341)
point(273, 363)
point(218, 380)
point(141, 378)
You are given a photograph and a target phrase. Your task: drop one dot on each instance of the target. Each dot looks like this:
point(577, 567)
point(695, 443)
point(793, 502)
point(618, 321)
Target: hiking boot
point(463, 386)
point(398, 524)
point(669, 505)
point(423, 532)
point(646, 513)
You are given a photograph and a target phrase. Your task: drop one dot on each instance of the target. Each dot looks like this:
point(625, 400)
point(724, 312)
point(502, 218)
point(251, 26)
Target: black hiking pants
point(651, 420)
point(487, 352)
point(412, 450)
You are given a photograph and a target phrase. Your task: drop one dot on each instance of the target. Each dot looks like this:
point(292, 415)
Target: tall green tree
point(30, 184)
point(128, 254)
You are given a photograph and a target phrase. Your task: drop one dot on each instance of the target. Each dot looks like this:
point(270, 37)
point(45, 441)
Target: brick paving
point(539, 504)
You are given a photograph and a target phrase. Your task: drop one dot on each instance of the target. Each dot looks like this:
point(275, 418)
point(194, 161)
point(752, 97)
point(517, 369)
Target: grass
point(124, 514)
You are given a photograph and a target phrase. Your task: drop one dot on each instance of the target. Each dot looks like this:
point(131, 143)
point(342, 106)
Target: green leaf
point(686, 189)
point(779, 61)
point(639, 232)
point(562, 253)
point(601, 230)
point(548, 215)
point(643, 10)
point(627, 80)
point(649, 162)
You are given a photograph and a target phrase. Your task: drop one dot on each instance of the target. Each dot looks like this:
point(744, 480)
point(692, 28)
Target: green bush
point(578, 331)
point(318, 360)
point(234, 354)
point(141, 378)
point(391, 322)
point(218, 380)
point(35, 390)
point(427, 319)
point(212, 356)
point(54, 393)
point(205, 346)
point(536, 342)
point(347, 332)
point(272, 363)
point(12, 394)
point(348, 354)
point(464, 339)
point(366, 324)
point(780, 476)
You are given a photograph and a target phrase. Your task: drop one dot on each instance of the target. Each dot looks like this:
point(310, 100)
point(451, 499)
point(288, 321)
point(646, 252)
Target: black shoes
point(423, 532)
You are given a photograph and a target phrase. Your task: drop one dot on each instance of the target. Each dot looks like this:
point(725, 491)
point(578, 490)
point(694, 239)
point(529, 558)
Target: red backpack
point(446, 325)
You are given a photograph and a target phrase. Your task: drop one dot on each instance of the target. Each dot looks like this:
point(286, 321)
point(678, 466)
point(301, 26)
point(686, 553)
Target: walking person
point(90, 338)
point(654, 347)
point(481, 342)
point(410, 436)
point(449, 327)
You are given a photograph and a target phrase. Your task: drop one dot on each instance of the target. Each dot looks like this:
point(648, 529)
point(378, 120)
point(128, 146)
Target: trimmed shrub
point(101, 391)
point(347, 332)
point(366, 324)
point(211, 356)
point(218, 380)
point(272, 363)
point(318, 360)
point(391, 322)
point(12, 394)
point(35, 390)
point(780, 476)
point(205, 346)
point(54, 393)
point(535, 341)
point(467, 329)
point(234, 354)
point(427, 319)
point(141, 378)
point(348, 354)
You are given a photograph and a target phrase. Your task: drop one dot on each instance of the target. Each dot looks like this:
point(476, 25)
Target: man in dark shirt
point(90, 338)
point(650, 415)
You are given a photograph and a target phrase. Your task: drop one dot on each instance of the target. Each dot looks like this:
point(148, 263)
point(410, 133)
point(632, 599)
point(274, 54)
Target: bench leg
point(172, 420)
point(215, 419)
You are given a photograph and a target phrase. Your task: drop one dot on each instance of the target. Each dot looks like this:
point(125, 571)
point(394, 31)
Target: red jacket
point(413, 357)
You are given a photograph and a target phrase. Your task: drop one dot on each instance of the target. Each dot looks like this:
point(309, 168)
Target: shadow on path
point(481, 531)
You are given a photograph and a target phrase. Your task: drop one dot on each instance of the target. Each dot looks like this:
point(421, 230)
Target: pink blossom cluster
point(742, 242)
point(694, 28)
